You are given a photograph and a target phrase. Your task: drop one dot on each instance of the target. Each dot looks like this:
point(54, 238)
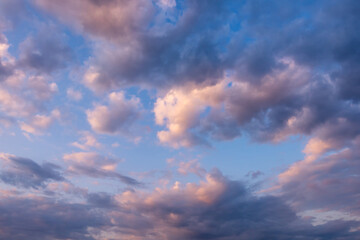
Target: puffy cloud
point(39, 123)
point(117, 116)
point(24, 172)
point(188, 211)
point(94, 165)
point(192, 211)
point(114, 19)
point(23, 95)
point(324, 181)
point(41, 88)
point(87, 141)
point(15, 106)
point(188, 43)
point(223, 108)
point(261, 49)
point(131, 50)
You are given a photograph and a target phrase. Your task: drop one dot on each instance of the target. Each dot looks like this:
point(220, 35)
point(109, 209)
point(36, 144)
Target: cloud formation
point(216, 208)
point(212, 71)
point(94, 165)
point(24, 172)
point(117, 116)
point(287, 60)
point(45, 52)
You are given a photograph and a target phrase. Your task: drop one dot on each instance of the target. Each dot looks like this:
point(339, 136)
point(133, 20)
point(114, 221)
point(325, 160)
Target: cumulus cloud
point(133, 51)
point(24, 172)
point(190, 44)
point(95, 165)
point(215, 208)
point(271, 69)
point(114, 19)
point(23, 96)
point(117, 116)
point(192, 211)
point(324, 181)
point(221, 109)
point(87, 141)
point(283, 62)
point(39, 123)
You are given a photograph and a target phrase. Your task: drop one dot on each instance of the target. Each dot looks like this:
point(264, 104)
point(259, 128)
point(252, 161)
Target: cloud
point(87, 141)
point(113, 19)
point(192, 166)
point(283, 63)
point(6, 60)
point(12, 11)
point(192, 211)
point(41, 88)
point(190, 113)
point(117, 116)
point(44, 218)
point(175, 47)
point(324, 181)
point(39, 123)
point(45, 52)
point(73, 94)
point(189, 211)
point(23, 96)
point(26, 173)
point(94, 165)
point(189, 44)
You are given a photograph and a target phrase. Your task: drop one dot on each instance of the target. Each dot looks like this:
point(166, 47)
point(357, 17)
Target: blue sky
point(167, 119)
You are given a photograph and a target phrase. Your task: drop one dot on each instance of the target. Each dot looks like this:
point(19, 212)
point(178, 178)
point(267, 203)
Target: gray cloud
point(216, 208)
point(328, 182)
point(208, 40)
point(45, 218)
point(26, 173)
point(46, 51)
point(116, 117)
point(95, 165)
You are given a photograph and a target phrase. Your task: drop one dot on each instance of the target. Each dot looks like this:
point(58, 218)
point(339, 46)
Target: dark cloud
point(98, 173)
point(223, 209)
point(101, 200)
point(26, 173)
point(216, 208)
point(45, 218)
point(46, 51)
point(5, 71)
point(11, 12)
point(202, 42)
point(95, 165)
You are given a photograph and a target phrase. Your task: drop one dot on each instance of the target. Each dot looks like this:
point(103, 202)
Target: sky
point(179, 119)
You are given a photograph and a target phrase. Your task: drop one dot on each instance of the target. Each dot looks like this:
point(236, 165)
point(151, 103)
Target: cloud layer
point(191, 73)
